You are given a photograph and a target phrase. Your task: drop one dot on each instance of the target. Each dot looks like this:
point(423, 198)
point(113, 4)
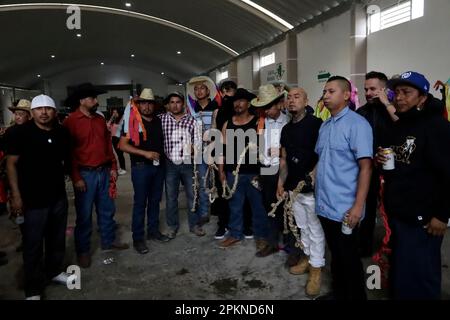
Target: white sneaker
point(64, 278)
point(121, 172)
point(33, 298)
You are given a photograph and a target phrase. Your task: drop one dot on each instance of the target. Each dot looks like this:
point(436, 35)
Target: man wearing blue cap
point(414, 197)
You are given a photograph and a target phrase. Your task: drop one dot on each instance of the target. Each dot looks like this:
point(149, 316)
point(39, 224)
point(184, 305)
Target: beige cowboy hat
point(23, 105)
point(266, 95)
point(146, 95)
point(206, 81)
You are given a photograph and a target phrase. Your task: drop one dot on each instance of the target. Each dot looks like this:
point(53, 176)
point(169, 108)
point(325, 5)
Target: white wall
point(267, 73)
point(245, 72)
point(107, 75)
point(325, 47)
point(421, 45)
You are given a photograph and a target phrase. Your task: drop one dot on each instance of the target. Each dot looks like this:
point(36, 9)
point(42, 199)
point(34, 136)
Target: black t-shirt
point(43, 162)
point(299, 139)
point(212, 106)
point(246, 167)
point(154, 142)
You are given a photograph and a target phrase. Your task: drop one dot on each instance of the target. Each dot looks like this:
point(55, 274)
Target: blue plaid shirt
point(343, 140)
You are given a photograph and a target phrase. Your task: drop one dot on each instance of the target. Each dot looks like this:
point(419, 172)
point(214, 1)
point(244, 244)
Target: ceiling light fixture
point(102, 63)
point(38, 75)
point(53, 56)
point(162, 73)
point(178, 52)
point(128, 5)
point(79, 35)
point(132, 55)
point(268, 13)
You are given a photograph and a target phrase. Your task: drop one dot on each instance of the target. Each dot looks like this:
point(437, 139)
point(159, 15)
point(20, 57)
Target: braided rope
point(210, 177)
point(195, 184)
point(226, 188)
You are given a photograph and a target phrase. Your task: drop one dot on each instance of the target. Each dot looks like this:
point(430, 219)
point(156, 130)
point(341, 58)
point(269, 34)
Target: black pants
point(415, 262)
point(269, 192)
point(346, 266)
point(220, 209)
point(367, 227)
point(120, 157)
point(44, 226)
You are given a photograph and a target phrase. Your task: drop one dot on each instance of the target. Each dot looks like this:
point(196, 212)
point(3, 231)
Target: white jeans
point(312, 236)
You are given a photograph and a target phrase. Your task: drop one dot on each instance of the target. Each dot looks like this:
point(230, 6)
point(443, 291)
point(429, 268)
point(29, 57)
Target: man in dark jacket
point(414, 198)
point(380, 113)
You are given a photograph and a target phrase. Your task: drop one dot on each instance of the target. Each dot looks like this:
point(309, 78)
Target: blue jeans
point(203, 203)
point(148, 186)
point(97, 191)
point(175, 174)
point(260, 221)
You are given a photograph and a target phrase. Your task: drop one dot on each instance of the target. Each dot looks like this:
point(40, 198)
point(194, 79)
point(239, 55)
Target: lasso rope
point(227, 192)
point(288, 216)
point(195, 185)
point(210, 177)
point(381, 257)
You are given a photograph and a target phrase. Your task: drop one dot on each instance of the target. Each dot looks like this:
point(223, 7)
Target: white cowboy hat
point(206, 81)
point(266, 95)
point(146, 95)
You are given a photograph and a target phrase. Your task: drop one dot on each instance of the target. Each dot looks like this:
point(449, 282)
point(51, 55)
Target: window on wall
point(400, 13)
point(221, 76)
point(268, 59)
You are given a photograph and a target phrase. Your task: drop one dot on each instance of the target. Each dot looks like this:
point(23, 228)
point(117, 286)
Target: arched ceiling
point(207, 32)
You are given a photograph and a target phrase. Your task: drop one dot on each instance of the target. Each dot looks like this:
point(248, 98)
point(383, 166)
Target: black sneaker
point(158, 236)
point(220, 233)
point(140, 247)
point(248, 234)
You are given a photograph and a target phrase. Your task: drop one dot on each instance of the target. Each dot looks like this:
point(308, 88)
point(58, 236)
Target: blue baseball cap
point(413, 79)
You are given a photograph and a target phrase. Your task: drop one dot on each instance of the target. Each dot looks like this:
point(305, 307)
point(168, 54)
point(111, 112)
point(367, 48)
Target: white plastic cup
point(156, 163)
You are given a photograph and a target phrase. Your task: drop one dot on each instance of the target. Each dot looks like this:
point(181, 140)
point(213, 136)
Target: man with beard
point(93, 165)
point(245, 123)
point(298, 160)
point(380, 113)
point(36, 165)
point(147, 171)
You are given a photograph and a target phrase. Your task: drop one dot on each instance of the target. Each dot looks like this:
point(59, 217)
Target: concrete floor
point(187, 268)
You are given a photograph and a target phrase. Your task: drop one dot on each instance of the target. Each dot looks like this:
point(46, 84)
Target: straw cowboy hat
point(23, 105)
point(206, 81)
point(266, 95)
point(146, 95)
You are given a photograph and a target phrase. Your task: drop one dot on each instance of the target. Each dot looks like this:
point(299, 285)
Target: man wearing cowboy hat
point(22, 114)
point(271, 101)
point(22, 111)
point(36, 166)
point(246, 123)
point(147, 173)
point(201, 94)
point(93, 165)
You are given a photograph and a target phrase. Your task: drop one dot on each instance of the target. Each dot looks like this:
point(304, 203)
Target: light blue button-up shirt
point(343, 140)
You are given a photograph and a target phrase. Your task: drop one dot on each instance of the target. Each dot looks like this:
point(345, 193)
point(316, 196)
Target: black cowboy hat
point(82, 91)
point(242, 93)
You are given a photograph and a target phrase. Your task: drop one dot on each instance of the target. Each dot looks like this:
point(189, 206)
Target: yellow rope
point(226, 188)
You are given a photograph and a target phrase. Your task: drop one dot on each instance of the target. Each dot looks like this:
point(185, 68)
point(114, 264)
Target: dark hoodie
point(418, 188)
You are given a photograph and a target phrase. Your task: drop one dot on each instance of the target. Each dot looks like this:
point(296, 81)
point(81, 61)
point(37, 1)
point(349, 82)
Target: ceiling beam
point(115, 11)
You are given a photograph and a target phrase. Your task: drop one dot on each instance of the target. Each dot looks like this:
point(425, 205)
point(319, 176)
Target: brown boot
point(314, 281)
point(261, 244)
point(301, 267)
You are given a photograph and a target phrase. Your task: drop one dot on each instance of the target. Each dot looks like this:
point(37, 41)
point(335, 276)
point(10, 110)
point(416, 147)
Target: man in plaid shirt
point(180, 133)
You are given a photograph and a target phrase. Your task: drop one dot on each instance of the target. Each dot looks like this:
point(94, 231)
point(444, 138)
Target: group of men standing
point(336, 161)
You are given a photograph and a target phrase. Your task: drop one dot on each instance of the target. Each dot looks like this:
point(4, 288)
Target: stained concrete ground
point(186, 268)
